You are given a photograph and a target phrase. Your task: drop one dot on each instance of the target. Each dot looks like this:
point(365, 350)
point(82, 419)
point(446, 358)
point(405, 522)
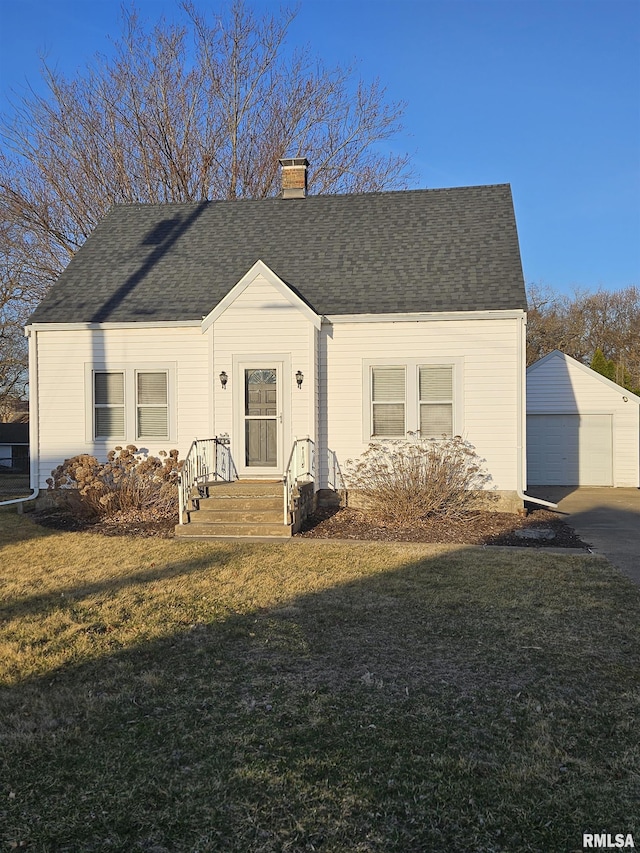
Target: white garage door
point(569, 450)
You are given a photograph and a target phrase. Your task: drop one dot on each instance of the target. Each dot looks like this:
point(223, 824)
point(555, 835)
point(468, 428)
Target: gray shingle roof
point(420, 250)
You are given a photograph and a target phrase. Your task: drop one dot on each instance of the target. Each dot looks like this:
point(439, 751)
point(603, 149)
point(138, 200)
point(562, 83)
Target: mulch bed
point(125, 524)
point(477, 528)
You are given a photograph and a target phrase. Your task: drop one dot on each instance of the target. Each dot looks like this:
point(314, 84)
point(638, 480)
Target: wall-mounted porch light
point(223, 380)
point(299, 378)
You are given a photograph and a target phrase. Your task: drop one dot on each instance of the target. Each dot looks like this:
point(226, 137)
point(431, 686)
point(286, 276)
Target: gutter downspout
point(34, 461)
point(522, 420)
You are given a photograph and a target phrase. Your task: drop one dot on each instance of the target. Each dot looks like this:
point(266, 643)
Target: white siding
point(65, 417)
point(560, 386)
point(260, 322)
point(486, 352)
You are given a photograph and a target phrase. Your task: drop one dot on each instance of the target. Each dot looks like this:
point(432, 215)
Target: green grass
point(167, 696)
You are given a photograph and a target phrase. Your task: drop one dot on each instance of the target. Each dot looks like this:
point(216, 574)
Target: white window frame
point(442, 401)
point(139, 435)
point(95, 406)
point(412, 393)
point(130, 371)
point(396, 402)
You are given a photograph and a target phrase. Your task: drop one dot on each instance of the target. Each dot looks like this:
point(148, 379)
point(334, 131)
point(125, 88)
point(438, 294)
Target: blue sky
point(541, 94)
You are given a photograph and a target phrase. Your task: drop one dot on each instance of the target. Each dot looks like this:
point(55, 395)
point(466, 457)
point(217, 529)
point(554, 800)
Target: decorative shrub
point(130, 480)
point(406, 482)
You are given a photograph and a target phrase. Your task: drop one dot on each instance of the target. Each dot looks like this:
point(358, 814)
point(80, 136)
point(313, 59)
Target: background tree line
point(599, 328)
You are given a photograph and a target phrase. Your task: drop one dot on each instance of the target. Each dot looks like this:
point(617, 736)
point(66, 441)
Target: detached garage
point(582, 429)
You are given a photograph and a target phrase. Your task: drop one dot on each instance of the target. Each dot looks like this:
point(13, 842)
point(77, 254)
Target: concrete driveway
point(607, 519)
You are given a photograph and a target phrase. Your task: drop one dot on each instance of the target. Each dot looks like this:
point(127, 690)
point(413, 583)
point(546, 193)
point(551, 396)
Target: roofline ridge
point(311, 197)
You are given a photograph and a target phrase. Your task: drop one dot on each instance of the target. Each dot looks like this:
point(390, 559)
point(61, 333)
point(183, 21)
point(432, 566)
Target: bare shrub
point(130, 480)
point(406, 482)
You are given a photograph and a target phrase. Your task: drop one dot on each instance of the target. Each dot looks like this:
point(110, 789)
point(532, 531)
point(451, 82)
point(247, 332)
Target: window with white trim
point(127, 403)
point(435, 389)
point(152, 404)
point(388, 403)
point(108, 404)
point(410, 397)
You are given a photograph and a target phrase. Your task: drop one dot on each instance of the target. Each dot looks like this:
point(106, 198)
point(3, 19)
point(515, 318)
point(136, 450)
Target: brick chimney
point(294, 177)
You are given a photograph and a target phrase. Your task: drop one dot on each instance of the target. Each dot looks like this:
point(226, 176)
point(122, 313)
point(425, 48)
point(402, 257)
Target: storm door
point(262, 417)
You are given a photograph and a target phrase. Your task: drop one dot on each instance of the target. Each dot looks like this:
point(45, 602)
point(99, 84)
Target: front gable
point(557, 366)
point(261, 274)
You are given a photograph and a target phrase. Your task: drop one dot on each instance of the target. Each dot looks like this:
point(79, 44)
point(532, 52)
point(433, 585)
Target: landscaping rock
point(535, 533)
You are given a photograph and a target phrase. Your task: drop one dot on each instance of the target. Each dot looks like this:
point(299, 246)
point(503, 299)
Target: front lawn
point(165, 696)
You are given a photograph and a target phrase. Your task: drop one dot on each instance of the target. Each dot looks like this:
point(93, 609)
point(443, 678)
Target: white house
point(582, 428)
point(325, 319)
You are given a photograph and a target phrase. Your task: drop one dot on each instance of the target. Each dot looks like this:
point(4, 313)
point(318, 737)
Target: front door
point(261, 415)
point(261, 425)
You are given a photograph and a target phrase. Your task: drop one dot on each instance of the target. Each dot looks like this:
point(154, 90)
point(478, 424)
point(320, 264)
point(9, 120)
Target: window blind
point(109, 389)
point(436, 402)
point(388, 400)
point(152, 388)
point(152, 409)
point(436, 384)
point(109, 422)
point(436, 420)
point(109, 404)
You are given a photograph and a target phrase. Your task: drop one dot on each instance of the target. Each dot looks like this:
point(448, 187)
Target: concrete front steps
point(244, 508)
